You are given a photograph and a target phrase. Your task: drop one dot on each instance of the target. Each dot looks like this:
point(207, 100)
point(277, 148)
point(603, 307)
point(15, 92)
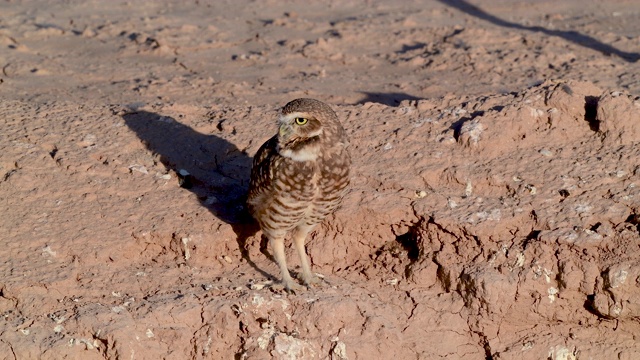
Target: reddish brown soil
point(494, 211)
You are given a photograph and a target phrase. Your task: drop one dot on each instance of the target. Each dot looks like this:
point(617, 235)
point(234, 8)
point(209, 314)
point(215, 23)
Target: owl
point(298, 177)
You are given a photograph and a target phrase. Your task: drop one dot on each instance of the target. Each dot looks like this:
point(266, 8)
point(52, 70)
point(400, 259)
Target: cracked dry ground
point(490, 227)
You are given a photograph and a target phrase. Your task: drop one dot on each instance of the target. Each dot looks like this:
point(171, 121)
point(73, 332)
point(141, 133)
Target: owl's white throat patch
point(309, 153)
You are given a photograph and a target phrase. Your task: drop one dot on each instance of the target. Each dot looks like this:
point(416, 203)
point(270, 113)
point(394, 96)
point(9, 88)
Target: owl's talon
point(289, 287)
point(312, 281)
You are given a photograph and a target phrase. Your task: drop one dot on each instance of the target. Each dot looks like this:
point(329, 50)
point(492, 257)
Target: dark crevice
point(589, 305)
point(591, 112)
point(634, 219)
point(219, 126)
point(8, 174)
point(564, 193)
point(487, 351)
point(484, 342)
point(443, 277)
point(454, 33)
point(457, 126)
point(408, 48)
point(409, 242)
point(103, 348)
point(533, 235)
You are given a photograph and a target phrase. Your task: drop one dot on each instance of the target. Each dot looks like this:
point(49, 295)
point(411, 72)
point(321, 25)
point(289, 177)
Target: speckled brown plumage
point(299, 176)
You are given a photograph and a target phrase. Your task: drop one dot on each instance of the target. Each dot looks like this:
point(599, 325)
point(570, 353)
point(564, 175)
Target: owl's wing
point(267, 150)
point(262, 174)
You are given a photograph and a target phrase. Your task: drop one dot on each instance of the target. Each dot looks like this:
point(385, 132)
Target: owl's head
point(305, 124)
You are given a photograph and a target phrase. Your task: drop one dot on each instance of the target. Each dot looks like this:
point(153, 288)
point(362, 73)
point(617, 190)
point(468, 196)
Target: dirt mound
point(503, 226)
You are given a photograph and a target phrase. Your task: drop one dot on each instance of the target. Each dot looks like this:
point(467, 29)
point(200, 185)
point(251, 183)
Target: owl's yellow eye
point(301, 121)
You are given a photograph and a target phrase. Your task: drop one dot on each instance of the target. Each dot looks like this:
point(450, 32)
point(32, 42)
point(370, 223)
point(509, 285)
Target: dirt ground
point(494, 211)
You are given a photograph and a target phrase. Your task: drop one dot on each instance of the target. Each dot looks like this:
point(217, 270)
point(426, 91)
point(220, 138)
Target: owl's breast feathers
point(305, 190)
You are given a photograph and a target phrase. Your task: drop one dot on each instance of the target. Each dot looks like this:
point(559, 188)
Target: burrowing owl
point(299, 176)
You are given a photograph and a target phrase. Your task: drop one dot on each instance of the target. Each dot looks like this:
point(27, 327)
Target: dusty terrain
point(494, 211)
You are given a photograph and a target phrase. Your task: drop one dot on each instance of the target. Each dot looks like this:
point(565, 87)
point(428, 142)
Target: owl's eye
point(301, 121)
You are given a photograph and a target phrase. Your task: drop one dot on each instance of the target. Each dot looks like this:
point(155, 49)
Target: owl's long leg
point(299, 236)
point(277, 246)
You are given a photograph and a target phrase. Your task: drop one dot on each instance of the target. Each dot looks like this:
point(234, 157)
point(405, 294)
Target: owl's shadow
point(218, 171)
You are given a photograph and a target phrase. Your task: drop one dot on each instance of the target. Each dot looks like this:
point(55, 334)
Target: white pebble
point(545, 152)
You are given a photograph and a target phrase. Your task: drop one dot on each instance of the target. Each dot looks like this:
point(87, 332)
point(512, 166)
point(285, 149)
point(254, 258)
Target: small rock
point(48, 251)
point(88, 141)
point(545, 152)
point(470, 132)
point(184, 179)
point(88, 32)
point(468, 190)
point(532, 189)
point(187, 253)
point(339, 351)
point(260, 285)
point(210, 200)
point(139, 168)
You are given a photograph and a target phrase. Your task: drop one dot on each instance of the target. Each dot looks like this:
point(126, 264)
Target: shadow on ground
point(569, 35)
point(390, 99)
point(219, 171)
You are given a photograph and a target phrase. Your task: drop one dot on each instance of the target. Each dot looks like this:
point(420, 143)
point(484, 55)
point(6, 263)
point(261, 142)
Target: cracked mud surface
point(494, 211)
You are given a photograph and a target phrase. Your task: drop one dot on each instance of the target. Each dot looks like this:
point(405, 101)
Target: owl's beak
point(285, 130)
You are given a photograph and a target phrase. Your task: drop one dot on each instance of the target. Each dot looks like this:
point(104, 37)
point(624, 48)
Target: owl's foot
point(289, 286)
point(312, 280)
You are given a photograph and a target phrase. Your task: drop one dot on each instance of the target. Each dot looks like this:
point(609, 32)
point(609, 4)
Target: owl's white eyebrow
point(288, 117)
